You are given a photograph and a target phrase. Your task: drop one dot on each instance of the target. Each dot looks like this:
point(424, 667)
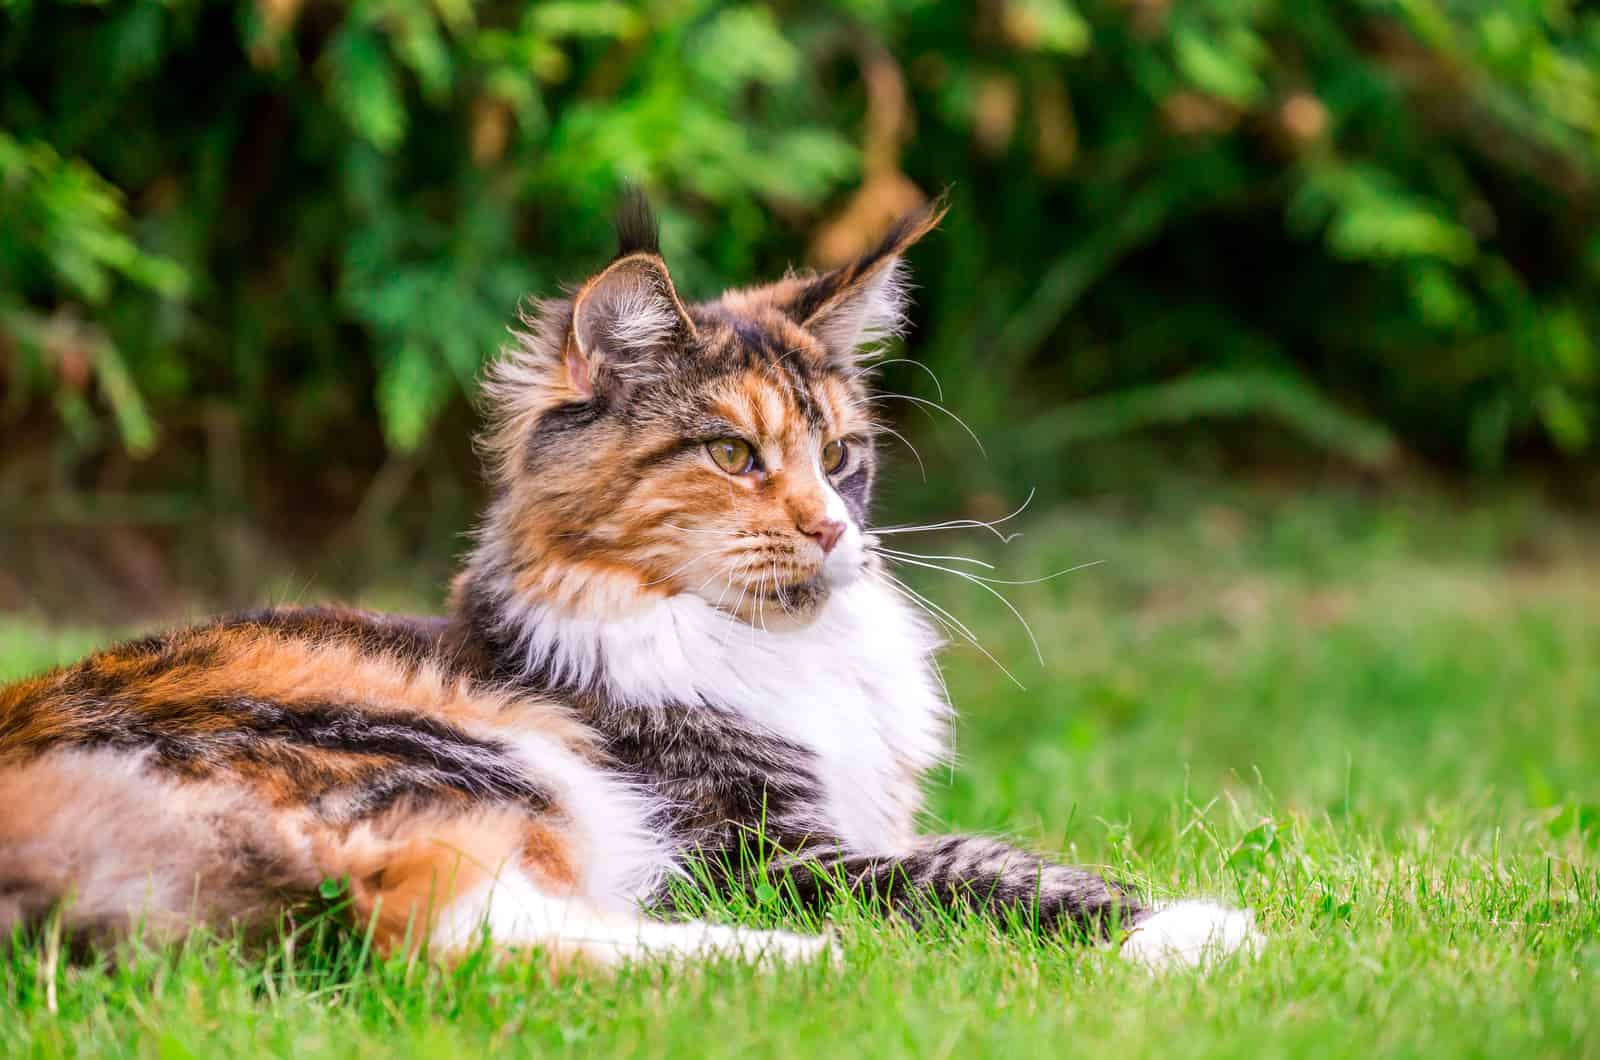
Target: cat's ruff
point(855, 686)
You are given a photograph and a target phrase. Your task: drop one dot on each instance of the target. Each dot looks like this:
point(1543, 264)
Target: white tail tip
point(1186, 934)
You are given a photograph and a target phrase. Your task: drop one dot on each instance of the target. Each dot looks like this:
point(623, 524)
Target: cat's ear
point(627, 322)
point(857, 305)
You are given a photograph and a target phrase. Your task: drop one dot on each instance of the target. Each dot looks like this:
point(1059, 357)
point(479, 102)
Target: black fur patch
point(855, 489)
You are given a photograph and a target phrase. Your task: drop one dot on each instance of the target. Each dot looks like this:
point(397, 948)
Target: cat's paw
point(769, 948)
point(781, 947)
point(1188, 933)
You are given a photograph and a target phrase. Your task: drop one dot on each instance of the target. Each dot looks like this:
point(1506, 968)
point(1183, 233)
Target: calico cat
point(672, 637)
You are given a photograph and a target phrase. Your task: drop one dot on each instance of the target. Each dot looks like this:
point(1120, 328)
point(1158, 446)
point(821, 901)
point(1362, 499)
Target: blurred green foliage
point(1372, 222)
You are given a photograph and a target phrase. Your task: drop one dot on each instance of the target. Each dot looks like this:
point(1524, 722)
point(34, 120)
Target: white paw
point(1185, 934)
point(769, 948)
point(764, 948)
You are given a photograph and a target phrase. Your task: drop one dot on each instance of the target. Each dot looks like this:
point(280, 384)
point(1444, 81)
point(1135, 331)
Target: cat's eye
point(732, 455)
point(833, 455)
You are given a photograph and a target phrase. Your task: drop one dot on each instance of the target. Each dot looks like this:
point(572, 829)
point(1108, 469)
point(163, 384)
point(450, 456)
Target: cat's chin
point(792, 606)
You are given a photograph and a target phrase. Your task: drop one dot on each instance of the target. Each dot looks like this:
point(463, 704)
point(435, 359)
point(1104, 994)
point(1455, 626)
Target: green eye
point(732, 455)
point(833, 455)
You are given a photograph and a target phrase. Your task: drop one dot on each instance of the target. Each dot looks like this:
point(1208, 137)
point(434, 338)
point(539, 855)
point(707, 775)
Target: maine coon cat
point(673, 636)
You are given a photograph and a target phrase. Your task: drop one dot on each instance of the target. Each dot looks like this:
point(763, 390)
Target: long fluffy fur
point(118, 847)
point(651, 660)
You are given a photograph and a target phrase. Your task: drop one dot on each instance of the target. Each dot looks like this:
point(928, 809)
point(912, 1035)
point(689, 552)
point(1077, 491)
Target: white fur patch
point(516, 913)
point(1187, 933)
point(856, 686)
point(620, 860)
point(848, 559)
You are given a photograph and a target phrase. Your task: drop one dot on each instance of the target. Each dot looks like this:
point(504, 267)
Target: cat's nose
point(824, 531)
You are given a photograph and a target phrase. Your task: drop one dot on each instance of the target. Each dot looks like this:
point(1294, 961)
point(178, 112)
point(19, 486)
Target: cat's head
point(644, 445)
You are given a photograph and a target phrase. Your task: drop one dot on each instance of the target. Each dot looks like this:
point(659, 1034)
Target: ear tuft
point(856, 306)
point(638, 231)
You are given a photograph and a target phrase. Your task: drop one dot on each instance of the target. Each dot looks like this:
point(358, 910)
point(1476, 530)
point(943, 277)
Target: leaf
point(1048, 25)
point(1563, 418)
point(1331, 908)
point(1216, 70)
point(1380, 229)
point(413, 389)
point(744, 45)
point(1441, 300)
point(1254, 848)
point(365, 88)
point(1571, 347)
point(134, 423)
point(598, 19)
point(420, 46)
point(1369, 215)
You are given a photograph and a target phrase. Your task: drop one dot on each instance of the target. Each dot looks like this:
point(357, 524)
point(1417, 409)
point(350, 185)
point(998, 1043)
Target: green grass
point(1375, 723)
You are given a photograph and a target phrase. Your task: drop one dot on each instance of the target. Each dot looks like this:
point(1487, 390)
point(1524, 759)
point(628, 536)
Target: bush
point(1368, 221)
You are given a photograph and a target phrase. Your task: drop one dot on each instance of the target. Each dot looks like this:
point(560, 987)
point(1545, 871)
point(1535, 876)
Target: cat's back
point(335, 708)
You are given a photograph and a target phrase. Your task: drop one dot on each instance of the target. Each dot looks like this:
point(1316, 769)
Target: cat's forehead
point(769, 404)
point(746, 330)
point(769, 377)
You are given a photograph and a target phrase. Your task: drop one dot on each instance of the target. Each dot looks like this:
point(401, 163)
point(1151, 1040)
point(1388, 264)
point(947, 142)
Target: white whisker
point(912, 557)
point(921, 467)
point(950, 621)
point(691, 561)
point(937, 386)
point(945, 617)
point(918, 555)
point(961, 524)
point(738, 605)
point(924, 402)
point(760, 603)
point(982, 584)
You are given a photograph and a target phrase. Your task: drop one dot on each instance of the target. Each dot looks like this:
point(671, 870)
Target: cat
point(672, 639)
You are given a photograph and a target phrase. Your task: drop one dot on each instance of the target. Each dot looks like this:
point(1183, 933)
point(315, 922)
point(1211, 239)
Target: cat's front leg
point(992, 878)
point(971, 874)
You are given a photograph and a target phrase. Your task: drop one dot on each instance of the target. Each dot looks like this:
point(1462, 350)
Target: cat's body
point(673, 644)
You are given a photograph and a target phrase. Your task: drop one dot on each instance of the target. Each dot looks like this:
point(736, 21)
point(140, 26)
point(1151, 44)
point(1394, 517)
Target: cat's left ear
point(627, 322)
point(855, 306)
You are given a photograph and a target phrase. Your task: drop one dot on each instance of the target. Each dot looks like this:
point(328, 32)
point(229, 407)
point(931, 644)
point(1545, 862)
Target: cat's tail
point(111, 847)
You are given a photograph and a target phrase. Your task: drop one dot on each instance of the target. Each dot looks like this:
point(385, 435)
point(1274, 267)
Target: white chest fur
point(856, 687)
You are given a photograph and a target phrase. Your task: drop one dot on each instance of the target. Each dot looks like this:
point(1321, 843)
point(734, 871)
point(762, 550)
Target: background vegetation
point(253, 254)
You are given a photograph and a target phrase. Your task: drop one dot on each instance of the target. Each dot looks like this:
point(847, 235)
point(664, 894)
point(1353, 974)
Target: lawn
point(1375, 721)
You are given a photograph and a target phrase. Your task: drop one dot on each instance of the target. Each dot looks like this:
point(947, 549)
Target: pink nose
point(825, 532)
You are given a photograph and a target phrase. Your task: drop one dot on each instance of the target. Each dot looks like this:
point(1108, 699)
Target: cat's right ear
point(626, 322)
point(853, 307)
